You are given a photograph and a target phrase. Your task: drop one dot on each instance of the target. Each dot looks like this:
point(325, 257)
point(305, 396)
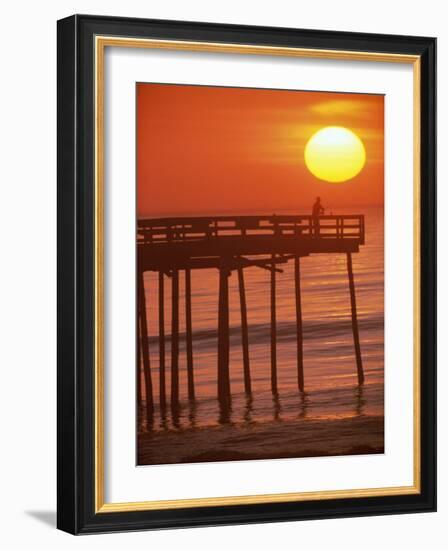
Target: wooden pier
point(175, 246)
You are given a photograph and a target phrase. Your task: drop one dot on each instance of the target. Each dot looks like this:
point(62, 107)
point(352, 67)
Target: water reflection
point(360, 400)
point(248, 409)
point(225, 413)
point(164, 424)
point(277, 406)
point(175, 415)
point(304, 404)
point(260, 408)
point(192, 412)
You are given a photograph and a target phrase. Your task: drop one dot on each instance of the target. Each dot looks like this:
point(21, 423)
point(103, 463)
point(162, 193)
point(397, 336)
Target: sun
point(335, 154)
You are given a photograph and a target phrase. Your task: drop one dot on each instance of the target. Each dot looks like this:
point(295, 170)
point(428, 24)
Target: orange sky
point(214, 150)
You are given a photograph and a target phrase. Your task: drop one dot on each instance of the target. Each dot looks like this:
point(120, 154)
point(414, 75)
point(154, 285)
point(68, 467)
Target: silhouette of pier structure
point(172, 246)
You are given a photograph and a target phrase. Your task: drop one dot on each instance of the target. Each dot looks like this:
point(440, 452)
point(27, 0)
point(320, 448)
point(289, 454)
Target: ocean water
point(331, 389)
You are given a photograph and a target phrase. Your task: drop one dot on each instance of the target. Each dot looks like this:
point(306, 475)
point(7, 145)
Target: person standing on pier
point(317, 211)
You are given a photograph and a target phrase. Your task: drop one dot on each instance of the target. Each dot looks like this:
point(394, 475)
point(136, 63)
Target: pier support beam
point(162, 385)
point(300, 378)
point(273, 328)
point(139, 364)
point(145, 345)
point(223, 338)
point(189, 335)
point(244, 332)
point(175, 339)
point(355, 320)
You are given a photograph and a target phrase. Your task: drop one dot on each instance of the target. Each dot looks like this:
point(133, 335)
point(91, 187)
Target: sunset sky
point(214, 150)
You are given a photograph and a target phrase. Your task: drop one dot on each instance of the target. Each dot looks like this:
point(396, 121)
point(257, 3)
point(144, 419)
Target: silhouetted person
point(317, 211)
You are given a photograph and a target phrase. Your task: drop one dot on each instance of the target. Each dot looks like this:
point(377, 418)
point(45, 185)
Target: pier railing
point(169, 230)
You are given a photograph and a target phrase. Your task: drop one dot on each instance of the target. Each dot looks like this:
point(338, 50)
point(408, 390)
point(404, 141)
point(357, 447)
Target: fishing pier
point(174, 247)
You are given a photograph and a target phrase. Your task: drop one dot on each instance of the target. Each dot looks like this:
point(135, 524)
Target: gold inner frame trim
point(101, 42)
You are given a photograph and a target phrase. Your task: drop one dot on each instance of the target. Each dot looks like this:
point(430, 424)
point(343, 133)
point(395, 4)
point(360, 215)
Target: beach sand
point(356, 435)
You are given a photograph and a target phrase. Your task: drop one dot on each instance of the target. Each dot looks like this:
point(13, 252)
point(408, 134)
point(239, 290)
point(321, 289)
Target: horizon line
point(248, 211)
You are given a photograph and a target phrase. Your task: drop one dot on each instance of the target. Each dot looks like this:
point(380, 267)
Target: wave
point(259, 333)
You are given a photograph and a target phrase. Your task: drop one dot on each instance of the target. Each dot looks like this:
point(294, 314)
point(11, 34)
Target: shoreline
point(357, 435)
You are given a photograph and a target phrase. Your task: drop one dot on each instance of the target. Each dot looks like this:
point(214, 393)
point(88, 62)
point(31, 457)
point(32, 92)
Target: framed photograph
point(246, 274)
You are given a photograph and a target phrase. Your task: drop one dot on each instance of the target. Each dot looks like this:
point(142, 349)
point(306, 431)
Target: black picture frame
point(76, 289)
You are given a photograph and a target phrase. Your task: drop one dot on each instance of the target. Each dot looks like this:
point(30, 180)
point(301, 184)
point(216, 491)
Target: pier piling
point(175, 338)
point(355, 320)
point(139, 365)
point(300, 378)
point(162, 385)
point(244, 332)
point(223, 338)
point(273, 328)
point(145, 345)
point(189, 334)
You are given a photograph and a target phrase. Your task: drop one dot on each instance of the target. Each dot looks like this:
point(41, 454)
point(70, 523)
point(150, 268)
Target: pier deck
point(181, 243)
